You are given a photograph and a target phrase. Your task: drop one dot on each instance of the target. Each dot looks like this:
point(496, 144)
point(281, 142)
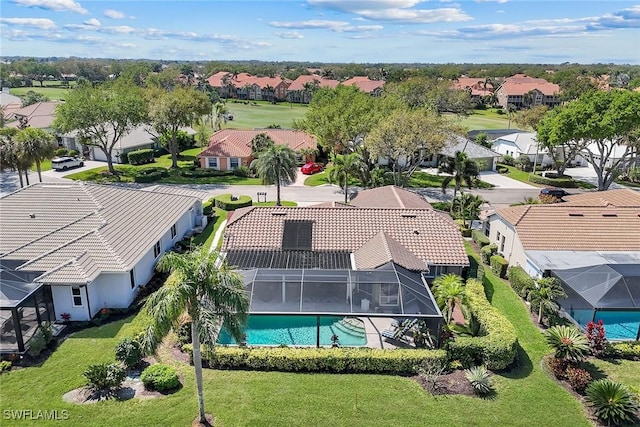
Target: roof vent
point(576, 214)
point(278, 213)
point(610, 214)
point(409, 215)
point(32, 215)
point(416, 232)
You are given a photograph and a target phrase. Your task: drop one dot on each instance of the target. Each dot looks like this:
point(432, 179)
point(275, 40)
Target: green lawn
point(626, 372)
point(273, 203)
point(486, 119)
point(522, 176)
point(249, 116)
point(52, 92)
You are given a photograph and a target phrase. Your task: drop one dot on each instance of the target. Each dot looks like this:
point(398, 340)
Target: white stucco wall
point(63, 303)
point(513, 250)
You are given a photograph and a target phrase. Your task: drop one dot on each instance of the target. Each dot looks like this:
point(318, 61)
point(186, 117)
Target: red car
point(311, 168)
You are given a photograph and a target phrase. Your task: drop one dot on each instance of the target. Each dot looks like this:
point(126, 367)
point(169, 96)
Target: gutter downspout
point(86, 292)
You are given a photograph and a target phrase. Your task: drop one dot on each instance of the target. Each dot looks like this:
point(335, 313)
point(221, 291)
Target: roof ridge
point(524, 212)
point(398, 198)
point(72, 260)
point(385, 243)
point(108, 246)
point(57, 248)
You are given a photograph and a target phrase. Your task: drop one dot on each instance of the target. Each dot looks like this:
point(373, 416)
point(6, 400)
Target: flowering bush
point(596, 338)
point(65, 317)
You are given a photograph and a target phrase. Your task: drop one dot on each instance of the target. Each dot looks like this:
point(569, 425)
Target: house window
point(212, 162)
point(502, 244)
point(234, 163)
point(156, 249)
point(174, 231)
point(77, 297)
point(389, 294)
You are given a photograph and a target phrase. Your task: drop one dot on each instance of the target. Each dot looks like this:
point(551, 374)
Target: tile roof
point(621, 198)
point(382, 249)
point(564, 226)
point(390, 196)
point(237, 143)
point(473, 150)
point(476, 85)
point(74, 232)
point(364, 83)
point(298, 84)
point(520, 84)
point(242, 79)
point(425, 233)
point(39, 115)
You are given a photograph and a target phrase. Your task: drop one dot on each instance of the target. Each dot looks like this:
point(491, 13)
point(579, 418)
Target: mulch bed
point(453, 383)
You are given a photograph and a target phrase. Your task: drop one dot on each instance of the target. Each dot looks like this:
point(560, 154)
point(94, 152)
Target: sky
point(366, 31)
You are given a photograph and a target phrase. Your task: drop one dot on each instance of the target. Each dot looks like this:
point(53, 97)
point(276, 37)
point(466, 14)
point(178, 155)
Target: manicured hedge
point(520, 280)
point(479, 237)
point(624, 350)
point(554, 182)
point(160, 377)
point(203, 173)
point(496, 348)
point(334, 360)
point(499, 265)
point(225, 203)
point(487, 252)
point(139, 157)
point(207, 207)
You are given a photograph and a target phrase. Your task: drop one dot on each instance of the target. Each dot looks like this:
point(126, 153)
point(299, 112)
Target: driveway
point(503, 182)
point(88, 164)
point(587, 174)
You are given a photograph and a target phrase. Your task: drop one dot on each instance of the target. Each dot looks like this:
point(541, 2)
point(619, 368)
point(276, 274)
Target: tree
point(461, 170)
point(466, 207)
point(12, 156)
point(101, 115)
point(448, 290)
point(220, 113)
point(343, 167)
point(259, 143)
point(170, 111)
point(430, 93)
point(277, 165)
point(32, 97)
point(603, 126)
point(544, 294)
point(529, 118)
point(37, 145)
point(212, 297)
point(483, 139)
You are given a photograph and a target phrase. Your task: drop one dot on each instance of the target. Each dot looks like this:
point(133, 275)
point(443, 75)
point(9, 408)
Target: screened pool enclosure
point(607, 292)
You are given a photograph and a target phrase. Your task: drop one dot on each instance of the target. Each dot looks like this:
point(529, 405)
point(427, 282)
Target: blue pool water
point(296, 330)
point(618, 325)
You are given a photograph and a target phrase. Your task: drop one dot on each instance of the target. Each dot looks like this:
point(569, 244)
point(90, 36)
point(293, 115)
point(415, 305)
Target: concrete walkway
point(503, 182)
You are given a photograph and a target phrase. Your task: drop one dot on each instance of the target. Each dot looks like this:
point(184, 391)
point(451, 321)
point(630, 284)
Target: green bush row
point(334, 360)
point(203, 173)
point(486, 252)
point(496, 347)
point(520, 280)
point(225, 203)
point(207, 207)
point(624, 350)
point(139, 157)
point(148, 177)
point(554, 182)
point(499, 265)
point(479, 237)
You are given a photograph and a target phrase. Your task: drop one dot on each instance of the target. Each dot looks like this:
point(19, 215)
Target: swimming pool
point(300, 330)
point(618, 325)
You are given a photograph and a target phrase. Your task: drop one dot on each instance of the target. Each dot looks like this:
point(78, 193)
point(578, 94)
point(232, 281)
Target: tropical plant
point(430, 372)
point(461, 170)
point(479, 379)
point(160, 377)
point(259, 143)
point(466, 207)
point(544, 294)
point(129, 352)
point(568, 343)
point(277, 165)
point(37, 145)
point(105, 376)
point(578, 378)
point(219, 114)
point(344, 166)
point(612, 402)
point(211, 294)
point(597, 338)
point(448, 291)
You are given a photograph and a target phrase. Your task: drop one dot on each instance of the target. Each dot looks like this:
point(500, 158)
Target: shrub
point(334, 360)
point(578, 378)
point(73, 152)
point(502, 169)
point(479, 237)
point(160, 377)
point(558, 367)
point(612, 402)
point(139, 157)
point(568, 343)
point(147, 177)
point(207, 207)
point(203, 173)
point(184, 333)
point(61, 152)
point(523, 163)
point(129, 352)
point(480, 380)
point(496, 346)
point(225, 202)
point(623, 350)
point(566, 182)
point(124, 158)
point(487, 252)
point(508, 160)
point(105, 376)
point(596, 337)
point(520, 280)
point(47, 332)
point(5, 365)
point(499, 265)
point(37, 343)
point(242, 171)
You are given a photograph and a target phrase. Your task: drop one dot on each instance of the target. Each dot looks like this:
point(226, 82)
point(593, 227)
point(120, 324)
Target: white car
point(64, 163)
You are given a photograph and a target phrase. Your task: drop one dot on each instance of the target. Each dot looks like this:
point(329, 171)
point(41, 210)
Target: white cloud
point(335, 26)
point(91, 25)
point(114, 14)
point(40, 23)
point(491, 1)
point(289, 35)
point(55, 5)
point(354, 6)
point(93, 22)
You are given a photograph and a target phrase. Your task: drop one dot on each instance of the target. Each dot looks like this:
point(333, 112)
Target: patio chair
point(399, 331)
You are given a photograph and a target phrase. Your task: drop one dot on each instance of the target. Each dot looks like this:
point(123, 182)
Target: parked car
point(64, 163)
point(311, 168)
point(558, 193)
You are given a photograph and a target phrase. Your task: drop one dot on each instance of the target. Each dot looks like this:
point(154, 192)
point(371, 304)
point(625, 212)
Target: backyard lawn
point(260, 114)
point(52, 90)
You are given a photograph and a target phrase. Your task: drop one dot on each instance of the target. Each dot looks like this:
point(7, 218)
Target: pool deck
point(374, 326)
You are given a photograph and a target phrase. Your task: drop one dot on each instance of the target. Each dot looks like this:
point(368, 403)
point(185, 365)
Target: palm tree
point(12, 156)
point(211, 296)
point(466, 206)
point(568, 343)
point(544, 294)
point(259, 143)
point(344, 166)
point(448, 290)
point(37, 145)
point(461, 170)
point(277, 165)
point(219, 112)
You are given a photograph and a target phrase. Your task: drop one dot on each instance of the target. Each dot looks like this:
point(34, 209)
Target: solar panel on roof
point(297, 235)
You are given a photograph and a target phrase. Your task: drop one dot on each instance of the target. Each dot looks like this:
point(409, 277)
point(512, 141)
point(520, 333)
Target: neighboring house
point(249, 87)
point(478, 88)
point(389, 196)
point(519, 143)
point(298, 90)
point(231, 148)
point(372, 87)
point(486, 158)
point(39, 115)
point(615, 153)
point(82, 248)
point(522, 91)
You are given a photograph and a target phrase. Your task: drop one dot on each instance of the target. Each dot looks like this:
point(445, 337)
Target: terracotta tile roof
point(243, 79)
point(423, 232)
point(364, 83)
point(40, 115)
point(298, 84)
point(237, 143)
point(390, 196)
point(475, 84)
point(332, 205)
point(520, 84)
point(565, 227)
point(382, 249)
point(621, 198)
